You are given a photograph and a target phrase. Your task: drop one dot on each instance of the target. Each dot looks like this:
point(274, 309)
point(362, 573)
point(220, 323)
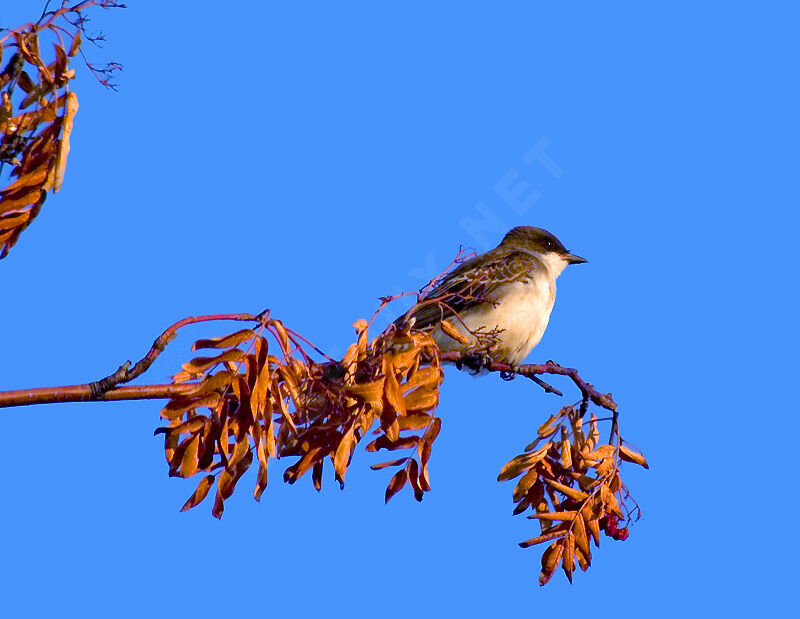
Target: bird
point(498, 302)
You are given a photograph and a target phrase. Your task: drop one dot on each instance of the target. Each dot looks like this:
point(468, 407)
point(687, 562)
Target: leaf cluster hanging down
point(35, 143)
point(251, 405)
point(571, 483)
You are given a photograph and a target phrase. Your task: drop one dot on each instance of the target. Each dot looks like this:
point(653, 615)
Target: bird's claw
point(508, 374)
point(477, 361)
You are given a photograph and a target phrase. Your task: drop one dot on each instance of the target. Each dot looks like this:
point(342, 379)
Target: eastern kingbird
point(498, 302)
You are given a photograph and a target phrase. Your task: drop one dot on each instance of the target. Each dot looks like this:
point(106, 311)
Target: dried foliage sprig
point(262, 396)
point(36, 142)
point(572, 484)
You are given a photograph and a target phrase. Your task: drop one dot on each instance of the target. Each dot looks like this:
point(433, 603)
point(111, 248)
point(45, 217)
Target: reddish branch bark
point(107, 388)
point(83, 393)
point(551, 367)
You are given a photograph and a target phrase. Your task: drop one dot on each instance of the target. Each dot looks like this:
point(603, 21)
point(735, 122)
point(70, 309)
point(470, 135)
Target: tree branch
point(83, 393)
point(551, 367)
point(107, 388)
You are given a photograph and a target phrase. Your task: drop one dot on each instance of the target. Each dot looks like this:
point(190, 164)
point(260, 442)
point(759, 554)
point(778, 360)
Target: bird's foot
point(509, 374)
point(477, 361)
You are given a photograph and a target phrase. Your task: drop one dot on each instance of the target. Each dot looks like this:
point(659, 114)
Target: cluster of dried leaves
point(35, 143)
point(261, 396)
point(572, 484)
point(256, 401)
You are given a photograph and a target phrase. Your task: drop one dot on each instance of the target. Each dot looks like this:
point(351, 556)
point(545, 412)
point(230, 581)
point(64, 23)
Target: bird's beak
point(573, 259)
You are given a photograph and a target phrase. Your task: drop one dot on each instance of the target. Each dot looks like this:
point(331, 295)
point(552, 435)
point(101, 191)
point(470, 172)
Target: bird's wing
point(472, 283)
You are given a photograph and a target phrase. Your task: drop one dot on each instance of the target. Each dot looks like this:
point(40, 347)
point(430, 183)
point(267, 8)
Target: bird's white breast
point(522, 313)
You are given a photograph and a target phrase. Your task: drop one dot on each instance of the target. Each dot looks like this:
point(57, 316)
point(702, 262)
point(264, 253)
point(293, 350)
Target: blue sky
point(310, 158)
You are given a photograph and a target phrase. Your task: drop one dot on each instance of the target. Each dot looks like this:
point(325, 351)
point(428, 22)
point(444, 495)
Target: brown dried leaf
point(23, 199)
point(342, 455)
point(371, 393)
point(261, 481)
point(568, 562)
point(566, 452)
point(525, 484)
point(241, 450)
point(298, 469)
point(226, 341)
point(272, 449)
point(316, 475)
point(584, 561)
point(260, 397)
point(581, 538)
point(550, 560)
point(413, 478)
point(391, 388)
point(554, 533)
point(190, 425)
point(520, 507)
point(549, 426)
point(219, 502)
point(198, 365)
point(433, 431)
point(422, 399)
point(177, 407)
point(63, 147)
point(13, 221)
point(523, 462)
point(566, 516)
point(32, 179)
point(417, 421)
point(25, 82)
point(592, 509)
point(594, 528)
point(601, 453)
point(396, 484)
point(424, 480)
point(391, 427)
point(629, 455)
point(594, 433)
point(430, 376)
point(189, 461)
point(290, 380)
point(384, 442)
point(406, 359)
point(282, 336)
point(567, 490)
point(278, 398)
point(202, 491)
point(388, 463)
point(59, 67)
point(76, 44)
point(454, 333)
point(350, 357)
point(361, 327)
point(609, 501)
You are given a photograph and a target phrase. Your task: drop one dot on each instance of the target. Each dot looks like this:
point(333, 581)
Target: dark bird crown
point(536, 238)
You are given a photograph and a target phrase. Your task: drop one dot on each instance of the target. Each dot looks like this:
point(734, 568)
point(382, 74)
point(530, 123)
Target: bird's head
point(539, 241)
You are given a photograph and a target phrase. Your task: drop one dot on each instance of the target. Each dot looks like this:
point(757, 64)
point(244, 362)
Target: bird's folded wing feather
point(470, 284)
